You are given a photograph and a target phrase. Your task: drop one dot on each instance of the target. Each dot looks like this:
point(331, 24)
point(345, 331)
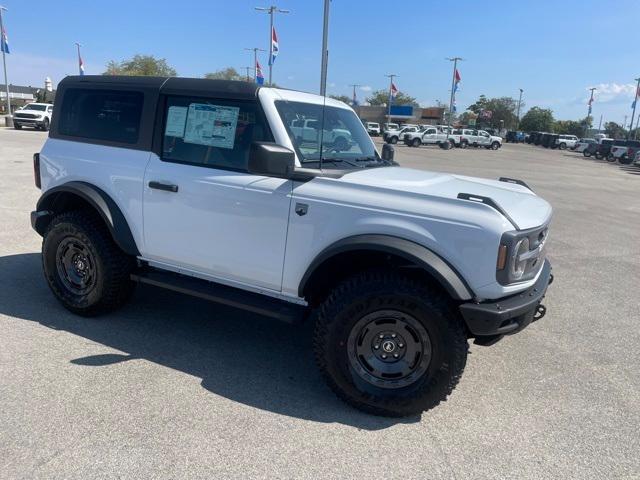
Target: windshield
point(33, 106)
point(343, 140)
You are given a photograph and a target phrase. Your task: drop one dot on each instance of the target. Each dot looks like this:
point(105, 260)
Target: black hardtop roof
point(169, 85)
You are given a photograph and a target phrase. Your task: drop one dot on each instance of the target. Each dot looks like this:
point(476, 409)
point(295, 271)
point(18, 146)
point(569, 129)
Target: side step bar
point(230, 296)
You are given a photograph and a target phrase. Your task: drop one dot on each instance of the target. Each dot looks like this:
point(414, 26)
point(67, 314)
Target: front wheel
point(17, 126)
point(464, 144)
point(389, 345)
point(563, 146)
point(45, 125)
point(598, 156)
point(586, 153)
point(611, 158)
point(84, 268)
point(495, 146)
point(393, 140)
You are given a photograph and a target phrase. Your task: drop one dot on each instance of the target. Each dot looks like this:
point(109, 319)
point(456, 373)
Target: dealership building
point(21, 95)
point(401, 114)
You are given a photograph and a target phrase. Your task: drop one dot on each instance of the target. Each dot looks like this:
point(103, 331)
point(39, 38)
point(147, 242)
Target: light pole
point(518, 115)
point(9, 120)
point(80, 72)
point(354, 85)
point(271, 10)
point(255, 61)
point(325, 49)
point(633, 113)
point(391, 76)
point(453, 92)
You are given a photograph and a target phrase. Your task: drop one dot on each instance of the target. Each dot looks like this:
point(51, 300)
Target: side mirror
point(388, 152)
point(271, 160)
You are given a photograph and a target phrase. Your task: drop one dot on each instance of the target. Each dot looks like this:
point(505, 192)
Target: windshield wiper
point(339, 160)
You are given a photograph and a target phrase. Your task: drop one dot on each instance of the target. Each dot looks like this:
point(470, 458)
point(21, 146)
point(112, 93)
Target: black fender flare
point(421, 256)
point(48, 205)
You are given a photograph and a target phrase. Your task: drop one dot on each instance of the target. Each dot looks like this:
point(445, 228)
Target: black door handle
point(167, 187)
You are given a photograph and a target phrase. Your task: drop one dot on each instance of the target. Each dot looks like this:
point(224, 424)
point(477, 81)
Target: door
point(484, 138)
point(203, 211)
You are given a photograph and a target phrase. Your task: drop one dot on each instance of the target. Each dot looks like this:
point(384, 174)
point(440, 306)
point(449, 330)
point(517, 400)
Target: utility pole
point(586, 133)
point(325, 49)
point(80, 72)
point(248, 69)
point(255, 51)
point(354, 85)
point(9, 120)
point(518, 114)
point(271, 10)
point(633, 113)
point(624, 124)
point(391, 76)
point(453, 85)
point(600, 124)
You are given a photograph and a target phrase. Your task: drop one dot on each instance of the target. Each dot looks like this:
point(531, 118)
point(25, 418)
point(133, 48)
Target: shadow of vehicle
point(240, 356)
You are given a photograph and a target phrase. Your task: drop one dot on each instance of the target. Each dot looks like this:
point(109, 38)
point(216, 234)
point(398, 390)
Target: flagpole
point(325, 49)
point(79, 59)
point(255, 61)
point(271, 10)
point(9, 120)
point(453, 84)
point(586, 130)
point(391, 76)
point(633, 113)
point(354, 85)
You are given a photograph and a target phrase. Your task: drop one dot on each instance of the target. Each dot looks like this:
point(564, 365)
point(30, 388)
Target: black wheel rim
point(76, 266)
point(389, 349)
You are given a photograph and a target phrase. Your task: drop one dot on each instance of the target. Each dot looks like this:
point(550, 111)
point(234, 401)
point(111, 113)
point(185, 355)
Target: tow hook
point(541, 311)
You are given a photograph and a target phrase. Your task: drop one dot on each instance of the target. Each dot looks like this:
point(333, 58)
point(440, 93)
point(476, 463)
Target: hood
point(521, 204)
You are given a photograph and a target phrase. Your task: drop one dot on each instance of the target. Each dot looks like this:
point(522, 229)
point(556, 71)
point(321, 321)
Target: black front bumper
point(510, 314)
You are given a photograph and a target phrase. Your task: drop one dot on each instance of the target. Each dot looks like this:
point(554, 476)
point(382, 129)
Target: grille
point(25, 115)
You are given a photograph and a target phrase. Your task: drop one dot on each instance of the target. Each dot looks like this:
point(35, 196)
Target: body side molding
point(98, 199)
point(444, 273)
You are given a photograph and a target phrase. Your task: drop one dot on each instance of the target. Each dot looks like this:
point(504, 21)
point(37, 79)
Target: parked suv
point(37, 115)
point(204, 187)
point(566, 141)
point(373, 129)
point(582, 144)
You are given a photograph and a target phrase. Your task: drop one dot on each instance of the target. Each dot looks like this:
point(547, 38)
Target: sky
point(554, 50)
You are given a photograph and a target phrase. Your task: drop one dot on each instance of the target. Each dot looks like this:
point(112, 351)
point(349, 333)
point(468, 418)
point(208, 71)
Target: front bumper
point(511, 314)
point(28, 121)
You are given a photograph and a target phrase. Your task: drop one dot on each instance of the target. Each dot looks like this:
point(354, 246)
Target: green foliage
point(569, 127)
point(537, 120)
point(503, 111)
point(141, 65)
point(613, 130)
point(342, 98)
point(228, 73)
point(381, 97)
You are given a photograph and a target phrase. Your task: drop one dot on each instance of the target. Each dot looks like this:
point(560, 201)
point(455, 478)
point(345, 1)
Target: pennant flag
point(259, 75)
point(457, 80)
point(4, 42)
point(274, 46)
point(394, 90)
point(81, 65)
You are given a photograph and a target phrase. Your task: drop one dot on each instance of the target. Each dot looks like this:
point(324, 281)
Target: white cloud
point(612, 92)
point(366, 88)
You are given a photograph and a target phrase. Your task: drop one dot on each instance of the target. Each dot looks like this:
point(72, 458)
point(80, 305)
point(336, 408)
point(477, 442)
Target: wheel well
point(343, 265)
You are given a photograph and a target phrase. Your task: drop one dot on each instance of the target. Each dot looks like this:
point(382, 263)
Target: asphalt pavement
point(173, 387)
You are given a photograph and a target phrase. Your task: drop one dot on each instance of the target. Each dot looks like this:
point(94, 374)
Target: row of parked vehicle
point(622, 151)
point(443, 136)
point(551, 140)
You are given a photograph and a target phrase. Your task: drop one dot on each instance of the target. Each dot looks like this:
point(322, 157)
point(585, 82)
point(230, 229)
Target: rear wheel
point(393, 140)
point(464, 144)
point(586, 153)
point(84, 268)
point(625, 160)
point(597, 155)
point(611, 158)
point(563, 146)
point(416, 142)
point(389, 345)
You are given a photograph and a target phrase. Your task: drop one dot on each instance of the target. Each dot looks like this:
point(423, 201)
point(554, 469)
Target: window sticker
point(176, 120)
point(212, 125)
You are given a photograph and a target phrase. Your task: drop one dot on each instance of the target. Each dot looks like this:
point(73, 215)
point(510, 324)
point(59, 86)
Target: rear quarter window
point(106, 115)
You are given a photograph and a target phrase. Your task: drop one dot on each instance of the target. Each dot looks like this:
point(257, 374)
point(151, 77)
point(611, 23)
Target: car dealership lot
point(172, 387)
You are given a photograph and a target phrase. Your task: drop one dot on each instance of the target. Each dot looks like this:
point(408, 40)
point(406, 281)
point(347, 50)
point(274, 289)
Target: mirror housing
point(388, 152)
point(271, 160)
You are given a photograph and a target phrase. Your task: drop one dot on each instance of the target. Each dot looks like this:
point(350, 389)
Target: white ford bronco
point(205, 187)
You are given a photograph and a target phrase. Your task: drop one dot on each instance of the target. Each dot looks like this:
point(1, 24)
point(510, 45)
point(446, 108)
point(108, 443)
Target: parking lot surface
point(173, 387)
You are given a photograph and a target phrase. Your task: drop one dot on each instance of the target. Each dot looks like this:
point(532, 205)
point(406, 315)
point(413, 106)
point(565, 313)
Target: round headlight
point(518, 267)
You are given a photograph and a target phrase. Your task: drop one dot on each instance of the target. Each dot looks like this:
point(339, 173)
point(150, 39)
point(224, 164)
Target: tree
point(228, 73)
point(613, 130)
point(537, 120)
point(381, 97)
point(503, 111)
point(141, 65)
point(569, 127)
point(342, 98)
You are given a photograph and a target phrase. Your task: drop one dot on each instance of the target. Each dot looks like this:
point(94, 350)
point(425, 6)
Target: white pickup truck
point(465, 137)
point(37, 115)
point(308, 130)
point(393, 136)
point(428, 135)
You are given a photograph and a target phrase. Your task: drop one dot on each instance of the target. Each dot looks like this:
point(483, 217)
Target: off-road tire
point(111, 266)
point(416, 142)
point(495, 146)
point(378, 290)
point(464, 144)
point(586, 154)
point(563, 146)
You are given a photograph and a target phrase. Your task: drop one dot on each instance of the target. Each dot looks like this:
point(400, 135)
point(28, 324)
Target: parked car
point(566, 141)
point(599, 150)
point(636, 159)
point(633, 148)
point(308, 131)
point(390, 126)
point(373, 128)
point(37, 115)
point(392, 136)
point(582, 144)
point(623, 151)
point(429, 135)
point(514, 136)
point(477, 138)
point(186, 184)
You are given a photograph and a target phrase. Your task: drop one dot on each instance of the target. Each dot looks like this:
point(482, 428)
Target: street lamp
point(518, 115)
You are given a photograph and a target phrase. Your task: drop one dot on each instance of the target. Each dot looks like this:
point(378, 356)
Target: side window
point(109, 115)
point(212, 132)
